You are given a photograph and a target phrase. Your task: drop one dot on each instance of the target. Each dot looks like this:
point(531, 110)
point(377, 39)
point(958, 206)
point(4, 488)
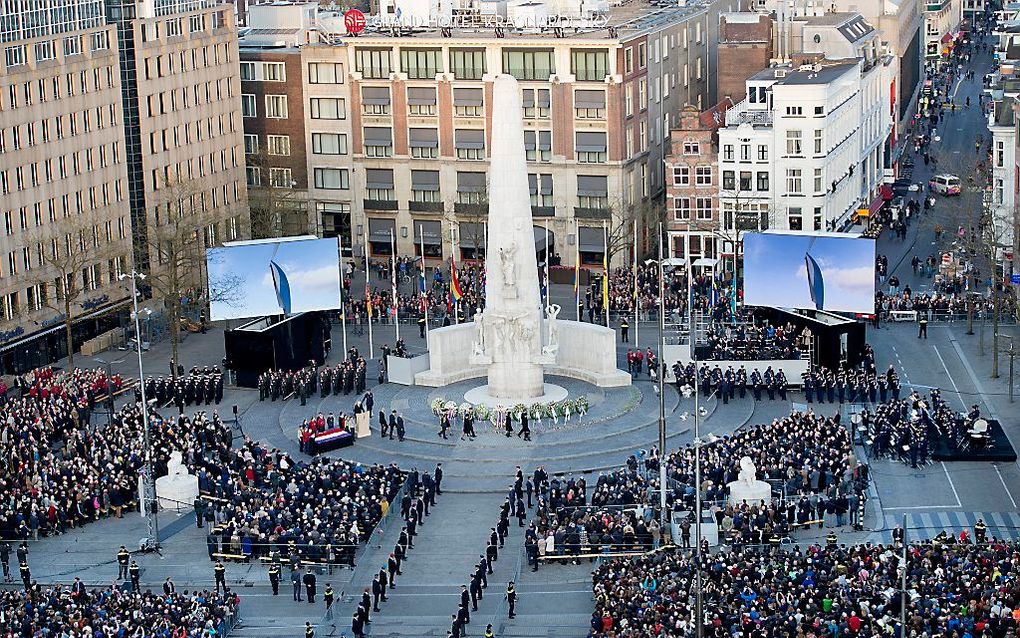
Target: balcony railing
point(425, 207)
point(740, 113)
point(380, 204)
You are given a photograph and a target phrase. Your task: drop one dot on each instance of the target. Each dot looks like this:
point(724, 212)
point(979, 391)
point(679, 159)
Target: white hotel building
point(806, 149)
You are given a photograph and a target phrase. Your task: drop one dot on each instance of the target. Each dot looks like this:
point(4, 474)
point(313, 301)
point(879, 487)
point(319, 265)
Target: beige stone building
point(598, 104)
point(66, 233)
point(182, 119)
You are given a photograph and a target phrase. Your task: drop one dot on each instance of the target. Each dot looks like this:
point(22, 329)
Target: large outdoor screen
point(815, 271)
point(276, 277)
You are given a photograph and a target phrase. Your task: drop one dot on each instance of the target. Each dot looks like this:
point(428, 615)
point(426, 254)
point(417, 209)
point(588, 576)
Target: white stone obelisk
point(512, 321)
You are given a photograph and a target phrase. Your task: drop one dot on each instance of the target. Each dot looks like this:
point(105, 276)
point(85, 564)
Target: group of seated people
point(754, 341)
point(262, 501)
point(59, 471)
point(806, 456)
point(955, 589)
point(108, 612)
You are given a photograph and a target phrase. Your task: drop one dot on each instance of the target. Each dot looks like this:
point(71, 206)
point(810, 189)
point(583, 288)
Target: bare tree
point(276, 208)
point(73, 255)
point(176, 243)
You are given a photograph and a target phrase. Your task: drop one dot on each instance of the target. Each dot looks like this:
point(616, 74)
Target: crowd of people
point(346, 377)
point(202, 386)
point(859, 385)
point(263, 501)
point(59, 471)
point(108, 612)
point(955, 588)
point(804, 456)
point(728, 384)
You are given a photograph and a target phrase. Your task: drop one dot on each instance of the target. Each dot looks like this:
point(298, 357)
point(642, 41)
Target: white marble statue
point(178, 486)
point(748, 473)
point(553, 343)
point(478, 347)
point(508, 264)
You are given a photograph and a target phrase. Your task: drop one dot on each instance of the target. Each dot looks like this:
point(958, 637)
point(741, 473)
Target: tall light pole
point(149, 502)
point(663, 517)
point(699, 620)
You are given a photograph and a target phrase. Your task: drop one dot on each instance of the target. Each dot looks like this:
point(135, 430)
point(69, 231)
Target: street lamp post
point(663, 515)
point(150, 505)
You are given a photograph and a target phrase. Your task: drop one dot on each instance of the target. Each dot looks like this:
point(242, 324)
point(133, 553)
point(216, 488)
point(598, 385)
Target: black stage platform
point(998, 450)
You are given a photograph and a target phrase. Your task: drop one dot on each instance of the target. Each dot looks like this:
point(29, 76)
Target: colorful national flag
point(458, 294)
point(368, 301)
point(605, 280)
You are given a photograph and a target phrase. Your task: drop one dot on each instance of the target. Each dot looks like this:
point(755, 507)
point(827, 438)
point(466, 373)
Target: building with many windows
point(63, 176)
point(598, 103)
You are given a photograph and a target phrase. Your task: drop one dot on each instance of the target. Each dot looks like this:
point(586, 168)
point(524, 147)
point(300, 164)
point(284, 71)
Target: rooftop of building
point(851, 25)
point(522, 21)
point(809, 74)
point(744, 28)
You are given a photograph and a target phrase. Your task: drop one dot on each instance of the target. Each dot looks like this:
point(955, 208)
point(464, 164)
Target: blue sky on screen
point(775, 273)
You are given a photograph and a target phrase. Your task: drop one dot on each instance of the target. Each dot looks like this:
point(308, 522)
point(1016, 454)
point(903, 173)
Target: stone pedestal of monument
point(747, 488)
point(178, 488)
point(754, 493)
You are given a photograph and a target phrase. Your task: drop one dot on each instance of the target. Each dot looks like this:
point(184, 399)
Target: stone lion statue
point(748, 473)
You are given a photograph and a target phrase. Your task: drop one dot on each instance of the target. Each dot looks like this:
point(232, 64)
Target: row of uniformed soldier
point(199, 387)
point(855, 386)
point(281, 384)
point(346, 377)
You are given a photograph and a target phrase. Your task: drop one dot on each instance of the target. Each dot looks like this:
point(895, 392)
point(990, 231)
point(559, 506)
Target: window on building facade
point(276, 106)
point(590, 147)
point(469, 143)
point(793, 143)
point(379, 184)
point(794, 181)
point(795, 110)
point(819, 188)
point(248, 108)
point(425, 186)
point(421, 64)
point(327, 108)
point(375, 100)
point(727, 152)
point(541, 188)
point(681, 208)
point(247, 71)
point(794, 218)
point(421, 100)
point(535, 103)
point(729, 181)
point(819, 141)
point(589, 65)
point(529, 64)
point(470, 188)
point(682, 176)
point(251, 144)
point(593, 192)
point(467, 102)
point(281, 178)
point(1000, 154)
point(703, 206)
point(274, 72)
point(703, 175)
point(329, 144)
point(331, 178)
point(467, 64)
point(374, 64)
point(378, 141)
point(538, 146)
point(590, 104)
point(325, 73)
point(745, 181)
point(278, 144)
point(763, 181)
point(763, 153)
point(424, 143)
point(253, 175)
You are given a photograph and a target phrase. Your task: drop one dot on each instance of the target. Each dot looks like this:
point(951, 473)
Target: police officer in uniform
point(274, 577)
point(123, 558)
point(830, 539)
point(421, 326)
point(756, 384)
point(511, 597)
point(980, 530)
point(220, 574)
point(309, 631)
point(136, 576)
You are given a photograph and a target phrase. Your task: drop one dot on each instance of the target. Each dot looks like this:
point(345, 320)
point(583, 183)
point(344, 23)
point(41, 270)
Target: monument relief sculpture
point(553, 343)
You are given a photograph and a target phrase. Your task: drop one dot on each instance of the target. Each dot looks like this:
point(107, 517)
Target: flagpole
point(453, 268)
point(343, 310)
point(577, 270)
point(637, 318)
point(393, 282)
point(690, 306)
point(605, 270)
point(424, 283)
point(547, 282)
point(368, 304)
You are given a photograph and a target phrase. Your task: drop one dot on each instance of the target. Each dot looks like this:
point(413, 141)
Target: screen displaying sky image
point(241, 279)
point(776, 271)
